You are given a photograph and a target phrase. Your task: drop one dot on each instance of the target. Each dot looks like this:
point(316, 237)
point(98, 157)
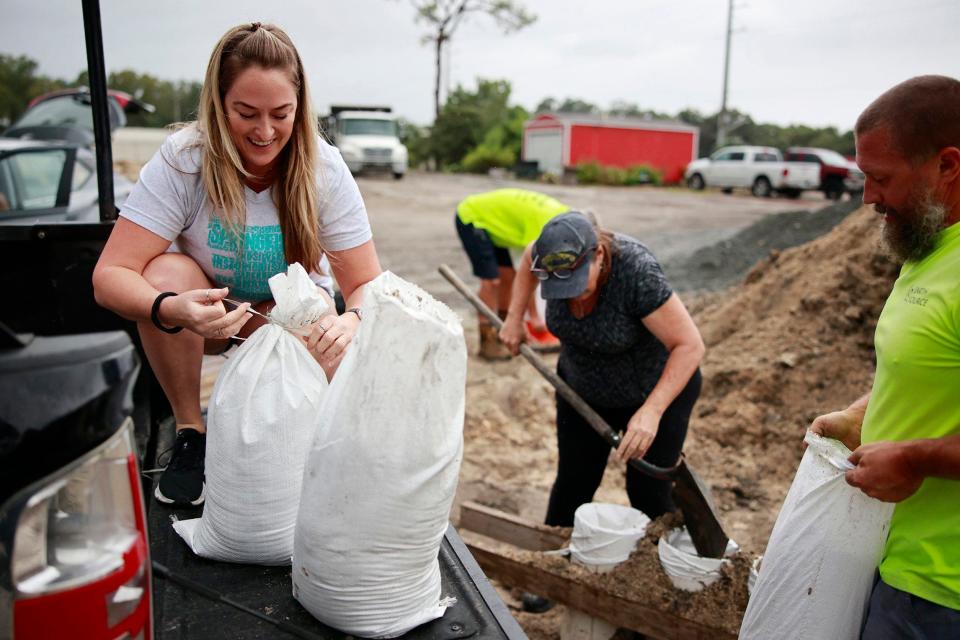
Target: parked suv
point(837, 174)
point(67, 115)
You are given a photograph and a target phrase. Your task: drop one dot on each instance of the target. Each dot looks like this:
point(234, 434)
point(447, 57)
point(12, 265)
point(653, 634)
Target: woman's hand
point(641, 431)
point(330, 336)
point(202, 311)
point(512, 333)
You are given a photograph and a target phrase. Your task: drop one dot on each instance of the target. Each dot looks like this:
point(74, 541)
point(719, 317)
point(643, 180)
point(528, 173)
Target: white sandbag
point(754, 574)
point(686, 569)
point(382, 472)
point(606, 534)
point(818, 569)
point(261, 420)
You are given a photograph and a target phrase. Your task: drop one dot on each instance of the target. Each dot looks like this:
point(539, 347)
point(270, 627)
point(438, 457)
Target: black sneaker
point(532, 603)
point(181, 484)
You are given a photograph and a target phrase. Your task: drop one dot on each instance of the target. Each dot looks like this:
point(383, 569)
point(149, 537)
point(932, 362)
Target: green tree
point(466, 118)
point(173, 101)
point(576, 105)
point(632, 110)
point(501, 144)
point(19, 84)
point(444, 16)
point(417, 141)
point(546, 105)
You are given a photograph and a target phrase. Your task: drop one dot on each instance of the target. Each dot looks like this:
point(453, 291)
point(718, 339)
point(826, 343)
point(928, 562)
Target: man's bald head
point(922, 115)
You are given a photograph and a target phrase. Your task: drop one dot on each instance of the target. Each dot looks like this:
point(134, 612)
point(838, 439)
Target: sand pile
point(793, 341)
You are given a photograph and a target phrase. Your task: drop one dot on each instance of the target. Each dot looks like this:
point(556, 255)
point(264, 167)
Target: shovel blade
point(699, 513)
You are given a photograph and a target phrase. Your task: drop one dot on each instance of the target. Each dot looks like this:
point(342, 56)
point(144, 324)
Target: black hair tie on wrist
point(155, 314)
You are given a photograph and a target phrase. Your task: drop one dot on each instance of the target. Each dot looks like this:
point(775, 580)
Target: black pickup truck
point(82, 553)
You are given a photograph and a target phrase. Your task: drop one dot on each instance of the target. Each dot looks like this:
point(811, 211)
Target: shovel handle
point(566, 391)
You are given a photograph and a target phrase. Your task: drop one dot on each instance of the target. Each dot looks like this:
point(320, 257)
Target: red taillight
point(80, 560)
point(121, 98)
point(786, 172)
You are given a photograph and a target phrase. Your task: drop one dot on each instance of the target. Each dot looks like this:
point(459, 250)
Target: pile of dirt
point(723, 264)
point(793, 342)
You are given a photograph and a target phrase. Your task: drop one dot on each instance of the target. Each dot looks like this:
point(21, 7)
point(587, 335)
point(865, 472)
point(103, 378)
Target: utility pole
point(177, 90)
point(722, 118)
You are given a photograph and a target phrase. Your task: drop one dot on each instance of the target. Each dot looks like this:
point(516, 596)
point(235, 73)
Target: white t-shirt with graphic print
point(171, 201)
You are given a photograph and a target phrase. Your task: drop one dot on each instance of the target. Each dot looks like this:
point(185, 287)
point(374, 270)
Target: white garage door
point(546, 147)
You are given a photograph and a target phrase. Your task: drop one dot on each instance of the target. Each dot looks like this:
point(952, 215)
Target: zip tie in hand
point(294, 330)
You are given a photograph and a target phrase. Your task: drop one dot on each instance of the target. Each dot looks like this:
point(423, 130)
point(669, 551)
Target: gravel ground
point(725, 262)
point(413, 226)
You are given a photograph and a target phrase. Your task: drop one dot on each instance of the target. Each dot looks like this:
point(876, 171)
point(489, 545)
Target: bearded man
point(905, 433)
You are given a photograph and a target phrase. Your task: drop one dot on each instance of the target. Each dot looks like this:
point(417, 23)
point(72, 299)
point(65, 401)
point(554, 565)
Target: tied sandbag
point(818, 570)
point(382, 472)
point(261, 419)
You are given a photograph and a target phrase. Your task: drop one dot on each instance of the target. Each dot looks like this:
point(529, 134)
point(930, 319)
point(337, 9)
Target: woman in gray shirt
point(226, 203)
point(629, 349)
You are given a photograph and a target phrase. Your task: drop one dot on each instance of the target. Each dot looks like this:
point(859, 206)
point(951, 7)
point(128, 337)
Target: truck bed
point(183, 613)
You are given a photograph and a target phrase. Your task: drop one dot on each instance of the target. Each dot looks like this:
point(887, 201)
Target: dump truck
point(368, 138)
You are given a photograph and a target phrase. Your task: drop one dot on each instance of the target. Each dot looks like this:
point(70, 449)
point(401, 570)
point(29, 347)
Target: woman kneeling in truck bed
point(229, 201)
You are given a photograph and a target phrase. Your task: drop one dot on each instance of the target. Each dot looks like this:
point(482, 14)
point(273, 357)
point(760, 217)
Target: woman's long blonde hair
point(295, 192)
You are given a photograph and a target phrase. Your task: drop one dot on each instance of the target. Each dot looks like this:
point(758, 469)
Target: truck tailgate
point(800, 175)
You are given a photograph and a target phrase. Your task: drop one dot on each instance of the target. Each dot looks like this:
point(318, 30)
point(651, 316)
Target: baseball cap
point(561, 255)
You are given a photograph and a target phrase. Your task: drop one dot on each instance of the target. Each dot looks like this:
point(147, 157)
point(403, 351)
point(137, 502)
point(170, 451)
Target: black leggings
point(583, 457)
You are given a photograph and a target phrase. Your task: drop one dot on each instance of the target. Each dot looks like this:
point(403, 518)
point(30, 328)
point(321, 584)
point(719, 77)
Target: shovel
point(689, 492)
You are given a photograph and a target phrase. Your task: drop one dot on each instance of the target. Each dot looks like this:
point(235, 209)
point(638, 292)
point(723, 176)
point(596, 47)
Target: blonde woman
point(227, 202)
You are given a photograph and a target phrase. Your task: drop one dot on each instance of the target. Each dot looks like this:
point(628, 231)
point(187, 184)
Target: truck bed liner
point(180, 613)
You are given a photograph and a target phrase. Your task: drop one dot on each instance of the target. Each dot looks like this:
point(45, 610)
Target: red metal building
point(563, 140)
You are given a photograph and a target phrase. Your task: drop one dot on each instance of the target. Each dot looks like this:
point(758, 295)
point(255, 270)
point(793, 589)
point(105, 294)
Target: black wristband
point(155, 314)
point(356, 311)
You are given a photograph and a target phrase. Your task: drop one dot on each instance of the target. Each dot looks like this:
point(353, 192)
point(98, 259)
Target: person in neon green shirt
point(905, 433)
point(489, 225)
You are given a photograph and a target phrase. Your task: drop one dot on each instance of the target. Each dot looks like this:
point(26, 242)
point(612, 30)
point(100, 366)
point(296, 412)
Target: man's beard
point(911, 233)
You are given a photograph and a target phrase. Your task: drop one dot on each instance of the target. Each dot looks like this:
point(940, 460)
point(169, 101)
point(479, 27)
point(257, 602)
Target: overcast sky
point(816, 62)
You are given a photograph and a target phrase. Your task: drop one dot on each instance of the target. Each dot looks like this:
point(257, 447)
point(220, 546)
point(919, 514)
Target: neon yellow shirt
point(916, 394)
point(512, 217)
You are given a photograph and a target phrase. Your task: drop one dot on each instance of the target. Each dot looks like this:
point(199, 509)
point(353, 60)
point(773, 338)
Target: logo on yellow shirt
point(917, 296)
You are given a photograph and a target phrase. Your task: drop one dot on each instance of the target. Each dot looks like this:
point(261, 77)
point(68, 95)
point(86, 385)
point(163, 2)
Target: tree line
point(476, 129)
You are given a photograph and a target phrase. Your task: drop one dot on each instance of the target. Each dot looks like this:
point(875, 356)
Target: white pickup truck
point(760, 169)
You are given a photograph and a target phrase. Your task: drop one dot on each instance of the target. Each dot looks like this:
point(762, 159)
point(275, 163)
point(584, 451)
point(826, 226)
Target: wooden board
point(519, 533)
point(509, 528)
point(616, 610)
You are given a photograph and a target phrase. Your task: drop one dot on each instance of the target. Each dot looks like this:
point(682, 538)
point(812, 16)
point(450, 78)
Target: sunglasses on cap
point(559, 265)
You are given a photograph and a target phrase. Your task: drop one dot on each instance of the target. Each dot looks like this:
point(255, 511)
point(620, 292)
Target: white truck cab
point(760, 169)
point(368, 139)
